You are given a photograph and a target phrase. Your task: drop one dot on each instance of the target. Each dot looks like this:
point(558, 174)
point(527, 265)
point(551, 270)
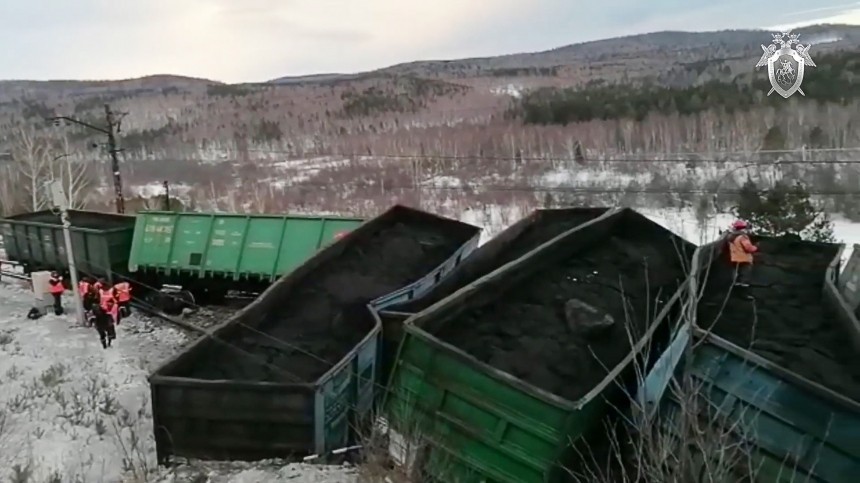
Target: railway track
point(198, 321)
point(8, 270)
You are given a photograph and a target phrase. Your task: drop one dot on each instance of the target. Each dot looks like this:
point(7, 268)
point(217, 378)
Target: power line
point(113, 126)
point(555, 158)
point(567, 189)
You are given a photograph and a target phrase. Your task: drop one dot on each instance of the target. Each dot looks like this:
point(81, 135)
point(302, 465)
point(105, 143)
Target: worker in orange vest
point(104, 325)
point(122, 292)
point(55, 286)
point(741, 251)
point(109, 306)
point(85, 287)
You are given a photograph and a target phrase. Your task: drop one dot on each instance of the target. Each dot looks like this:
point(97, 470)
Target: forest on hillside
point(835, 79)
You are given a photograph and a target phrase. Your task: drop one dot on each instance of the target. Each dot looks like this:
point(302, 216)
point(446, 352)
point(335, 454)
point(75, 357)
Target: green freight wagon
point(209, 253)
point(849, 282)
point(794, 429)
point(101, 241)
point(476, 423)
point(516, 240)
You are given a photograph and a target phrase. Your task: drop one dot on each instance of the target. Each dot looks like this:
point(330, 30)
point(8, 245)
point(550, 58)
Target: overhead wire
point(676, 158)
point(465, 186)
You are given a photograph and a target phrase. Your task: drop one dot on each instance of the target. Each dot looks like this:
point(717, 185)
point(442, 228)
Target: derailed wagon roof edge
point(780, 372)
point(545, 395)
point(253, 215)
point(831, 282)
point(18, 221)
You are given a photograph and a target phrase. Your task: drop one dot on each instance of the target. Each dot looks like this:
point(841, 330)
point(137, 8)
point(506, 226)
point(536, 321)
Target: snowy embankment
point(71, 411)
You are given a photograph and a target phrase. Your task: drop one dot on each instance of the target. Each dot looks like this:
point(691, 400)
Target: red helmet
point(739, 225)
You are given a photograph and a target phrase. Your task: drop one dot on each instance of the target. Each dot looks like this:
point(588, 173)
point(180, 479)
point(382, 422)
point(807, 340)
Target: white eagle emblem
point(785, 65)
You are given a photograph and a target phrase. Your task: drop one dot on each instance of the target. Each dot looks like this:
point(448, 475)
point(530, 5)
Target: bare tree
point(36, 161)
point(10, 194)
point(77, 175)
point(31, 160)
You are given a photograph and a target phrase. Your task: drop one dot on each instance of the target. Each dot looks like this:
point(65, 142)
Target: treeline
point(396, 95)
point(834, 80)
point(525, 72)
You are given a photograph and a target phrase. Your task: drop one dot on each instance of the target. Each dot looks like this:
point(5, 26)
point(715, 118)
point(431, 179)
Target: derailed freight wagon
point(849, 283)
point(314, 345)
point(781, 399)
point(211, 253)
point(515, 241)
point(497, 381)
point(100, 241)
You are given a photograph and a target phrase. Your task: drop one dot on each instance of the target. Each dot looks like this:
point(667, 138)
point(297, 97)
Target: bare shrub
point(132, 438)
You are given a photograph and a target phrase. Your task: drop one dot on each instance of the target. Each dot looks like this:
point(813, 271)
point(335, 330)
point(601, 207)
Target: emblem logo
point(785, 65)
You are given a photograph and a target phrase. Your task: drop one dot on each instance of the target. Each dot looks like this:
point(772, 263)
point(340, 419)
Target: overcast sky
point(257, 40)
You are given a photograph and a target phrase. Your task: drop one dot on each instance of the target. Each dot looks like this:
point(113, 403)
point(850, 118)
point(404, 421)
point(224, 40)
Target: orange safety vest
point(741, 249)
point(56, 288)
point(123, 291)
point(106, 300)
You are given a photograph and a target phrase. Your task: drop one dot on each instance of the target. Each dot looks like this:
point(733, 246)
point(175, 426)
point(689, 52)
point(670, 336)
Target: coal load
point(504, 248)
point(323, 317)
point(567, 325)
point(788, 321)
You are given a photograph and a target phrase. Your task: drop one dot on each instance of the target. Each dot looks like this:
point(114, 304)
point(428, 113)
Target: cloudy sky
point(255, 40)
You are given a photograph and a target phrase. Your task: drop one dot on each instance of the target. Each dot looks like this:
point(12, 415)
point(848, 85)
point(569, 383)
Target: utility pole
point(113, 127)
point(114, 165)
point(166, 195)
point(60, 201)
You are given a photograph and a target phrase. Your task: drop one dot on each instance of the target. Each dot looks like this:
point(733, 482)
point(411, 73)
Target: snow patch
point(268, 471)
point(566, 177)
point(443, 182)
point(151, 190)
point(72, 411)
point(824, 39)
point(512, 90)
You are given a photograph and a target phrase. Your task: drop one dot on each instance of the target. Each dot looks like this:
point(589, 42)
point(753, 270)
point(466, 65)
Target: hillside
point(666, 49)
point(639, 97)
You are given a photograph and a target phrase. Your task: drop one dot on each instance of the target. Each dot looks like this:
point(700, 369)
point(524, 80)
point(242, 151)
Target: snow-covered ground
point(71, 411)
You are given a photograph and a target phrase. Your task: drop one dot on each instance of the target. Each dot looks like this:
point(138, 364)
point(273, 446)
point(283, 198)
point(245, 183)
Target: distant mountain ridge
point(725, 43)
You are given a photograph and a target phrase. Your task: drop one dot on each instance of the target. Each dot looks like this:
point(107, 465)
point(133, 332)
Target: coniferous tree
point(785, 209)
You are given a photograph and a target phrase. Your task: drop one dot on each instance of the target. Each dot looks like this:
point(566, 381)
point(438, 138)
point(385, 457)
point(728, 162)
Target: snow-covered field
point(73, 412)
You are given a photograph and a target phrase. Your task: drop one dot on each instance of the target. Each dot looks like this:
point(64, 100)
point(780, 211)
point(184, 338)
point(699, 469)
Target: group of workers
point(104, 305)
